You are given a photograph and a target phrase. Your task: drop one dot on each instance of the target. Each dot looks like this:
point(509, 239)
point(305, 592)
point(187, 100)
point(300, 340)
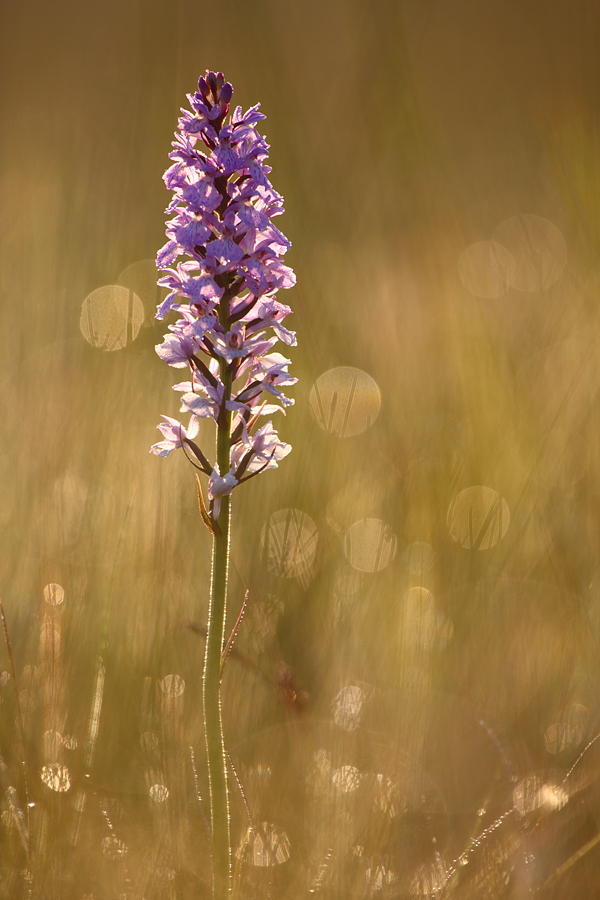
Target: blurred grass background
point(418, 674)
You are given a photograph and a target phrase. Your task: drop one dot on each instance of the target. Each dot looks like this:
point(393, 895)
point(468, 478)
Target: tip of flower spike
point(216, 94)
point(215, 84)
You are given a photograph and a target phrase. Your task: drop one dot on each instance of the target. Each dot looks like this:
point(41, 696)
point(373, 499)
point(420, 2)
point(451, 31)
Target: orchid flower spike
point(223, 266)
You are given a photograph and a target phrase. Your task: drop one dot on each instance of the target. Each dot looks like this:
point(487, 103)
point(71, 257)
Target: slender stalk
point(213, 726)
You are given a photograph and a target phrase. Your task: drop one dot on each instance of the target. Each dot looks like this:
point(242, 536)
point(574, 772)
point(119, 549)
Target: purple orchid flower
point(224, 288)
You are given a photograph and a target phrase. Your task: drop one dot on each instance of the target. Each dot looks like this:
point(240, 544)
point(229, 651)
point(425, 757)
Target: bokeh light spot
point(166, 873)
point(111, 317)
point(173, 685)
point(558, 737)
point(265, 846)
point(113, 848)
point(386, 798)
point(478, 518)
point(369, 545)
point(532, 793)
point(347, 707)
point(538, 249)
point(379, 877)
point(485, 269)
point(345, 401)
point(56, 777)
point(158, 792)
point(346, 779)
point(289, 543)
point(54, 594)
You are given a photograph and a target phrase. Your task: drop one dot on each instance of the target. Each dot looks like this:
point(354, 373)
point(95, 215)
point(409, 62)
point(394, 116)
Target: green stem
point(217, 773)
point(213, 726)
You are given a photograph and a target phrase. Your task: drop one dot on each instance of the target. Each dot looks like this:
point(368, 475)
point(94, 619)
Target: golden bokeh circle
point(345, 401)
point(111, 317)
point(478, 518)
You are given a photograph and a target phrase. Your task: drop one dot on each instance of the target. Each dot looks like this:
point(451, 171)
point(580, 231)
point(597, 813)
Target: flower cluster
point(224, 291)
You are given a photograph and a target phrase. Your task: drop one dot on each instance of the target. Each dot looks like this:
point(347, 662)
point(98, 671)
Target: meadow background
point(413, 704)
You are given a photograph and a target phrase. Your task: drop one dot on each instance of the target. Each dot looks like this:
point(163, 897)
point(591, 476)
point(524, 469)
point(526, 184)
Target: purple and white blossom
point(174, 435)
point(224, 287)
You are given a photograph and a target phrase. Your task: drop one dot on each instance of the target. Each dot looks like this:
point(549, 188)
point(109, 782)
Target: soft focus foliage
point(411, 704)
